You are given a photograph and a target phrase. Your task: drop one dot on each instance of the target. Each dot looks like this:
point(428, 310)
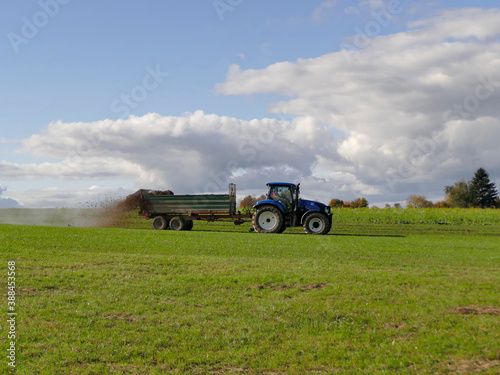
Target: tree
point(359, 203)
point(459, 195)
point(336, 203)
point(418, 201)
point(260, 198)
point(479, 192)
point(482, 190)
point(249, 201)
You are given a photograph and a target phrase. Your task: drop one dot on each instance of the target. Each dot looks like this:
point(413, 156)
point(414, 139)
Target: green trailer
point(177, 212)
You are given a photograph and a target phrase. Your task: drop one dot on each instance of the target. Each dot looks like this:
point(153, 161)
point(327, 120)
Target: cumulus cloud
point(415, 107)
point(197, 152)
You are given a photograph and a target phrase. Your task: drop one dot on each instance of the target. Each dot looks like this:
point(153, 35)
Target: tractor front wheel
point(317, 223)
point(268, 219)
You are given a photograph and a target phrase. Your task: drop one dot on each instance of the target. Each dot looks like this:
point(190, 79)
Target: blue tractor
point(283, 208)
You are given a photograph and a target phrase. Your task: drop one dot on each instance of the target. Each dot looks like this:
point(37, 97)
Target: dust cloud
point(103, 214)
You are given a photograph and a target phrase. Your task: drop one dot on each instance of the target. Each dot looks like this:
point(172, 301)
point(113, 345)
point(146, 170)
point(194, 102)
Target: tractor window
point(283, 195)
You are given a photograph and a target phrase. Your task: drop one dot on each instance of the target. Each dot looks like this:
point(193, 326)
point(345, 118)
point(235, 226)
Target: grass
point(441, 216)
point(369, 298)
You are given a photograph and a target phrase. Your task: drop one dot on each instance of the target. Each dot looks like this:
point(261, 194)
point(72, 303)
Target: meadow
point(387, 292)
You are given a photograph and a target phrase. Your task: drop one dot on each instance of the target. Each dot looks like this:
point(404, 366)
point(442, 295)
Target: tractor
point(283, 208)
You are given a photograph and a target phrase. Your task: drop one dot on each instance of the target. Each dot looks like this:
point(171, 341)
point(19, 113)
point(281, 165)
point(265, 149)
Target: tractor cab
point(284, 193)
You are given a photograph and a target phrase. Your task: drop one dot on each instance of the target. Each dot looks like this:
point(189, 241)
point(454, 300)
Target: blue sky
point(91, 52)
point(73, 62)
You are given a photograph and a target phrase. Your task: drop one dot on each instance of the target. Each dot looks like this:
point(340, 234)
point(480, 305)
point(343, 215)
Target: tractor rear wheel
point(160, 223)
point(317, 223)
point(268, 219)
point(177, 223)
point(283, 227)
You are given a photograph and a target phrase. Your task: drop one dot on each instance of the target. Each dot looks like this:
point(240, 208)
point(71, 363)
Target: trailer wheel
point(189, 225)
point(268, 219)
point(160, 223)
point(177, 223)
point(317, 223)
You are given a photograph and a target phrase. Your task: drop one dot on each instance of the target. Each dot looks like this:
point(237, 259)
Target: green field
point(377, 296)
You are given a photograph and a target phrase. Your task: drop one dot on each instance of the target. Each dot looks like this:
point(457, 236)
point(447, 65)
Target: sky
point(371, 98)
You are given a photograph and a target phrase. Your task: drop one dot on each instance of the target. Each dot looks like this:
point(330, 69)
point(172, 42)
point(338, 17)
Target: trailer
point(177, 212)
point(282, 208)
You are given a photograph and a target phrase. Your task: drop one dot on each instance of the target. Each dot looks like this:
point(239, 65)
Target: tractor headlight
point(327, 209)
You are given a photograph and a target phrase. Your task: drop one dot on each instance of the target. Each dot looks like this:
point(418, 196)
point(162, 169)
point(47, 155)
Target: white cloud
point(462, 23)
point(193, 153)
point(418, 106)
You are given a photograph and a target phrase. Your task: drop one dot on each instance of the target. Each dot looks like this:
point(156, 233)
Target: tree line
point(479, 192)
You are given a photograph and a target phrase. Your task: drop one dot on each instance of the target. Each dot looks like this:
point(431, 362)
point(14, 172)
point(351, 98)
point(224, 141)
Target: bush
point(418, 201)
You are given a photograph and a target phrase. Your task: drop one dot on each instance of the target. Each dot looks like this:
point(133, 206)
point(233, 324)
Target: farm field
point(377, 296)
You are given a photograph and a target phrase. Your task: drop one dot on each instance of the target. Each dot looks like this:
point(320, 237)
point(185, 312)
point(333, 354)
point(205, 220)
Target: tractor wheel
point(283, 227)
point(160, 223)
point(177, 223)
point(317, 223)
point(268, 219)
point(189, 225)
